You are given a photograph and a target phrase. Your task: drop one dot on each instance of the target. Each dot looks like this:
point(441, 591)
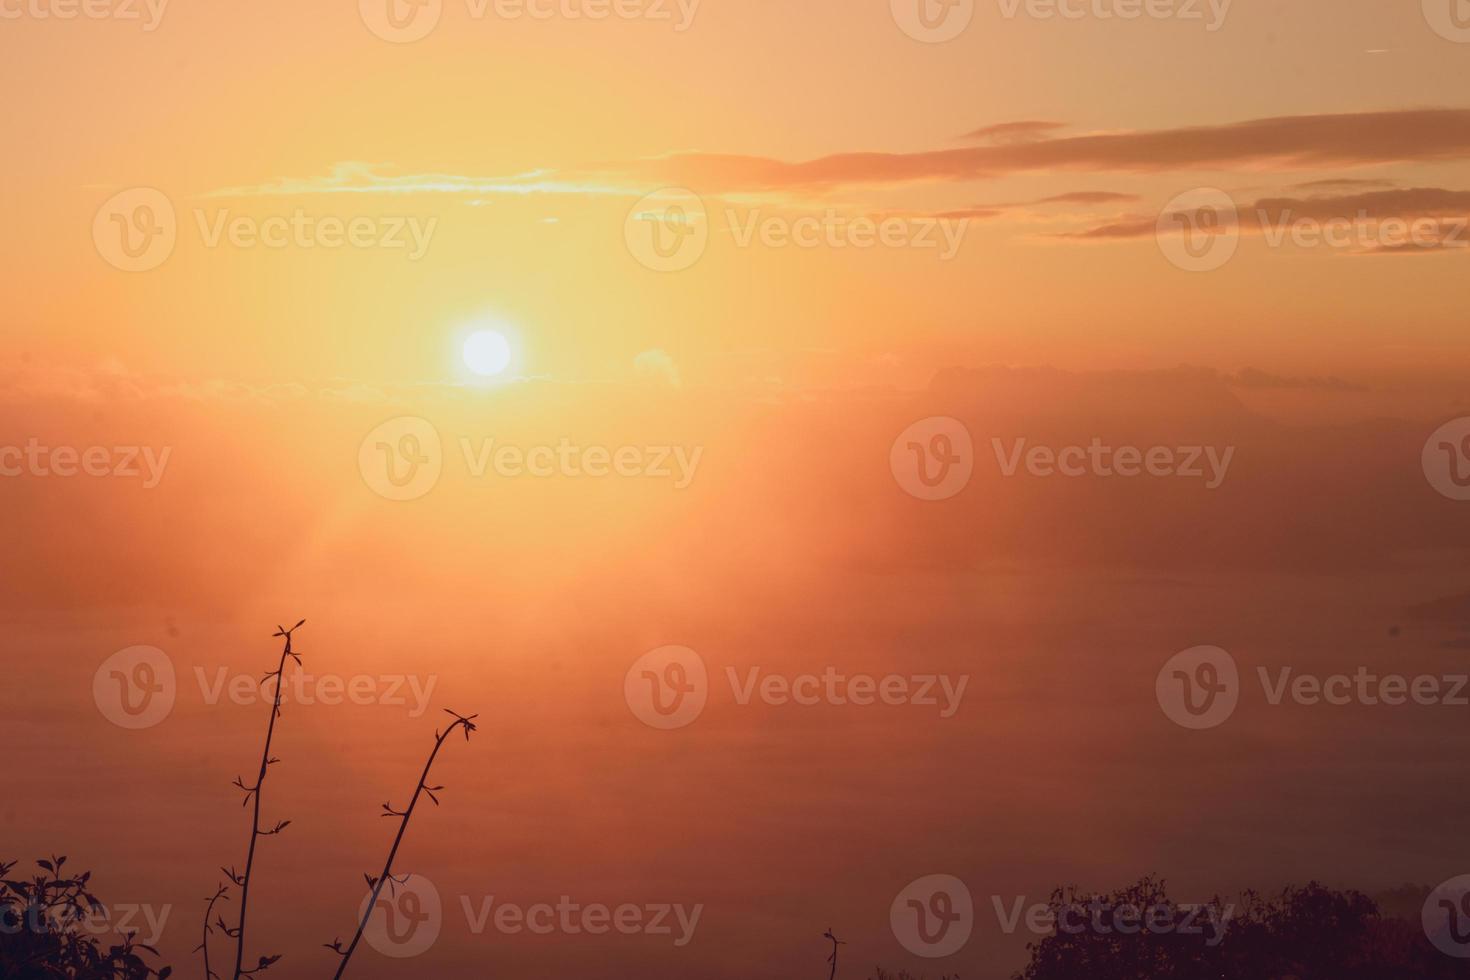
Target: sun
point(487, 353)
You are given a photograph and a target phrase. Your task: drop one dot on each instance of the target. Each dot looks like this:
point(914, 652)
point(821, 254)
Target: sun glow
point(487, 353)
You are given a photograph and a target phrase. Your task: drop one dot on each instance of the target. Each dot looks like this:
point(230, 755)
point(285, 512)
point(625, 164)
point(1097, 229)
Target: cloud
point(1440, 218)
point(1290, 142)
point(1014, 132)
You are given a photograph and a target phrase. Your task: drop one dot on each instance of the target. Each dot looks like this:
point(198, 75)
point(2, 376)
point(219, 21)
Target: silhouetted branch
point(833, 958)
point(252, 793)
point(376, 884)
point(204, 942)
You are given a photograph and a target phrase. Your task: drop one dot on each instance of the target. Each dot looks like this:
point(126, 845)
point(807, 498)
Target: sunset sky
point(500, 170)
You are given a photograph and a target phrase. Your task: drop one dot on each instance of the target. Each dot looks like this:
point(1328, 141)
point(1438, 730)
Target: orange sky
point(521, 152)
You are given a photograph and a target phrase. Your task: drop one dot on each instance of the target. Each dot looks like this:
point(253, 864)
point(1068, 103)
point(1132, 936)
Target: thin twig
point(833, 958)
point(243, 880)
point(203, 946)
point(460, 721)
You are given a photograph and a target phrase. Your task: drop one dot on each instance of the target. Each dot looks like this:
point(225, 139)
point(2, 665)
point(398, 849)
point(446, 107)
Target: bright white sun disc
point(487, 352)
